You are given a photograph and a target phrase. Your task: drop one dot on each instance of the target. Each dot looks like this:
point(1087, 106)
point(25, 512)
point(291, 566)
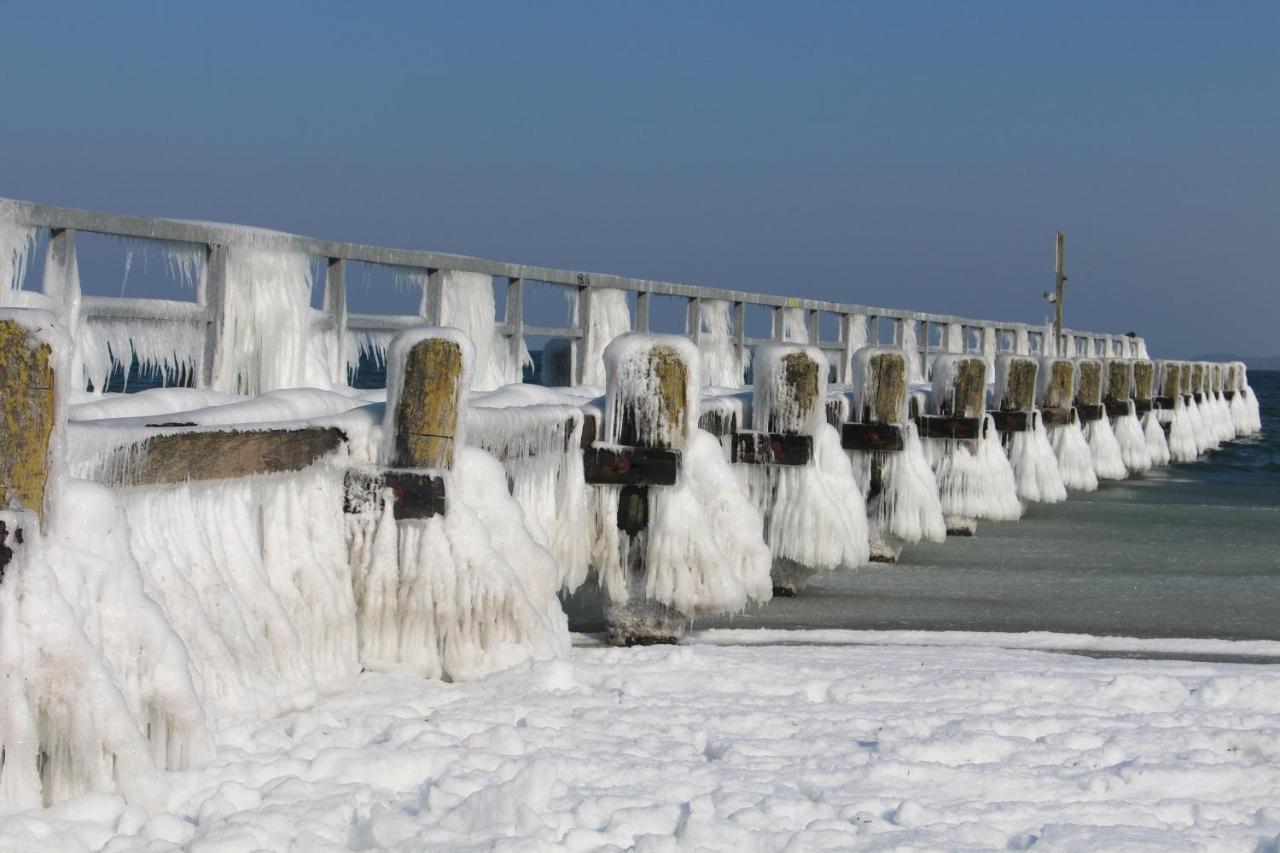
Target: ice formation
point(1075, 459)
point(17, 242)
point(815, 515)
point(723, 363)
point(1157, 443)
point(795, 325)
point(1035, 468)
point(1183, 446)
point(855, 336)
point(1245, 414)
point(1108, 461)
point(975, 478)
point(911, 347)
point(704, 547)
point(1132, 442)
point(539, 449)
point(610, 317)
point(467, 303)
point(271, 337)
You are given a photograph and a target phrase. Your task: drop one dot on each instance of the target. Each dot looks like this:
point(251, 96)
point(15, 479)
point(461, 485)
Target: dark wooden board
point(631, 466)
point(771, 448)
point(417, 494)
point(223, 454)
point(1011, 421)
point(871, 437)
point(941, 426)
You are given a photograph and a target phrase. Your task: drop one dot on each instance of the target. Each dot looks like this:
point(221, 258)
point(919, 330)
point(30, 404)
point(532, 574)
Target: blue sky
point(915, 155)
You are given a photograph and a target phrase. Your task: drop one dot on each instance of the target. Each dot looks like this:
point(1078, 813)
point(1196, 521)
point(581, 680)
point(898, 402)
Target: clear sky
point(914, 155)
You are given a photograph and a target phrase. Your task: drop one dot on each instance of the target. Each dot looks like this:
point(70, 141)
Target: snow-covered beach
point(736, 748)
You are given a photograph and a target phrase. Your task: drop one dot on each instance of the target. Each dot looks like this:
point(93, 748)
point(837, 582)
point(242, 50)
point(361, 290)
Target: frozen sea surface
point(734, 749)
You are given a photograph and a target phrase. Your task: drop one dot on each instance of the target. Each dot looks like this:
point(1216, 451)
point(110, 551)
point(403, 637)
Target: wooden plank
point(1090, 413)
point(426, 418)
point(1116, 408)
point(221, 455)
point(771, 448)
point(417, 494)
point(27, 409)
point(631, 466)
point(1011, 421)
point(871, 437)
point(945, 426)
point(1057, 417)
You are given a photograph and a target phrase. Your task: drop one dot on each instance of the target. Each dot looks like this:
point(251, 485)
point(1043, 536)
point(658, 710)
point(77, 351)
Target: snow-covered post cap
point(789, 388)
point(32, 346)
point(651, 386)
point(879, 380)
point(428, 370)
point(959, 386)
point(1015, 387)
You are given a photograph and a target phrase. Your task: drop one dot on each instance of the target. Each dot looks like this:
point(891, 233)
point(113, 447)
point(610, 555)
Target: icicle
point(911, 348)
point(795, 325)
point(467, 303)
point(1108, 462)
point(1182, 437)
point(1157, 444)
point(975, 479)
point(1075, 460)
point(1132, 442)
point(17, 242)
point(908, 508)
point(1034, 466)
point(723, 363)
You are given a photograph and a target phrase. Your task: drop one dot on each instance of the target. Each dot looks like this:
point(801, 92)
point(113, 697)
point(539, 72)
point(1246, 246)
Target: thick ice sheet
point(765, 748)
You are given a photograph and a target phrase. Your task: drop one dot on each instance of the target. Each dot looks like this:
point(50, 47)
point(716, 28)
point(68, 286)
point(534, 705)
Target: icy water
point(1186, 551)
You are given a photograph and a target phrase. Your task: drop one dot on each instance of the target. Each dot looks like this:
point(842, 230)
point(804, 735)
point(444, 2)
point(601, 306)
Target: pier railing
point(933, 332)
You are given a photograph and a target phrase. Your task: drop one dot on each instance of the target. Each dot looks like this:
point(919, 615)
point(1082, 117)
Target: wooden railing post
point(335, 304)
point(214, 300)
point(513, 313)
point(27, 403)
point(426, 416)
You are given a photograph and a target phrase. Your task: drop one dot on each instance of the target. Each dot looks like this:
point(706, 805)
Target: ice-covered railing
point(195, 335)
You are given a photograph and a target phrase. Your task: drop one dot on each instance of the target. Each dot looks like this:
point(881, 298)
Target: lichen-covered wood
point(1059, 390)
point(27, 405)
point(1233, 377)
point(967, 397)
point(800, 377)
point(1119, 379)
point(220, 455)
point(1088, 382)
point(1143, 380)
point(886, 388)
point(1187, 375)
point(1216, 377)
point(1198, 379)
point(427, 413)
point(1170, 378)
point(1020, 385)
point(671, 379)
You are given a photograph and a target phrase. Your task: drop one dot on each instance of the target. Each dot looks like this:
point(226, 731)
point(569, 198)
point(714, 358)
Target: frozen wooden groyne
point(236, 546)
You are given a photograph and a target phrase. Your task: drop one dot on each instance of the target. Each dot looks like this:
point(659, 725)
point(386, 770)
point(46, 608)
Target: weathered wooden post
point(1117, 390)
point(28, 406)
point(958, 406)
point(1055, 391)
point(647, 413)
point(879, 379)
point(1143, 386)
point(1088, 396)
point(1015, 393)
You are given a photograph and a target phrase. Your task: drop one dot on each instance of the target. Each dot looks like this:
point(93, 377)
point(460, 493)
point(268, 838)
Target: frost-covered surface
point(467, 303)
point(1108, 462)
point(723, 363)
point(765, 748)
point(1035, 468)
point(1075, 459)
point(975, 478)
point(610, 317)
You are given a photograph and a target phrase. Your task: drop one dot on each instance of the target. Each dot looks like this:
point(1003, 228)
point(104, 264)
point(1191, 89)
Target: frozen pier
point(250, 539)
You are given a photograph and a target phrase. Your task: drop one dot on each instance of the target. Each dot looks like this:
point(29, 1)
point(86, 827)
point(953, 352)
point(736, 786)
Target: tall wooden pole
point(1057, 304)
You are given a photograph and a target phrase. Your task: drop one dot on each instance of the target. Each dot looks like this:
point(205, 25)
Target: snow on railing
point(209, 337)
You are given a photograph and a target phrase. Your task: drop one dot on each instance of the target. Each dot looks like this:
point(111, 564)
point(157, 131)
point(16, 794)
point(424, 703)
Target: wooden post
point(27, 404)
point(1015, 393)
point(335, 304)
point(1088, 397)
point(213, 297)
point(426, 417)
point(1061, 279)
point(640, 621)
point(642, 311)
point(513, 313)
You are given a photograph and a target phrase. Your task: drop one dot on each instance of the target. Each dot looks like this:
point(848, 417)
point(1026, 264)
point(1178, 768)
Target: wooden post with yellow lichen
point(28, 407)
point(426, 417)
